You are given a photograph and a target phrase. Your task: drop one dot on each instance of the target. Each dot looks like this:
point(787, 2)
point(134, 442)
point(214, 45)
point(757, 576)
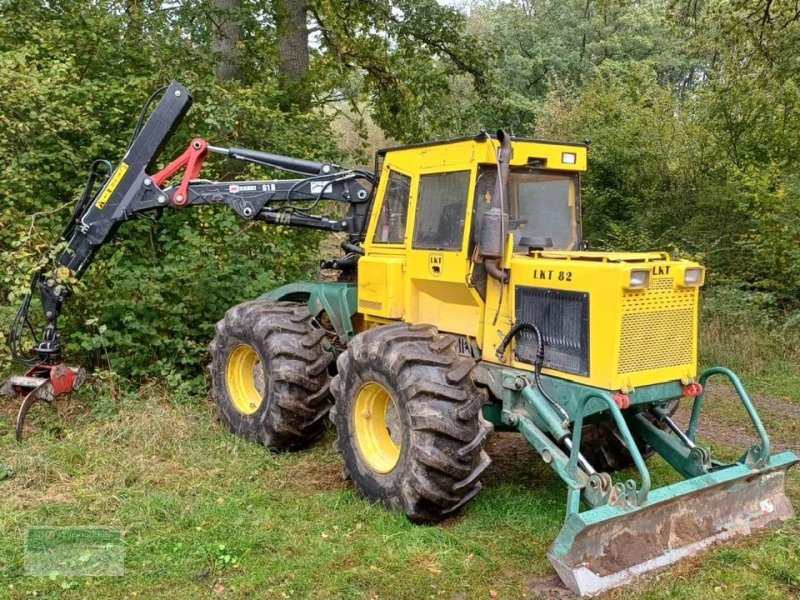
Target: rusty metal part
point(44, 392)
point(42, 383)
point(10, 386)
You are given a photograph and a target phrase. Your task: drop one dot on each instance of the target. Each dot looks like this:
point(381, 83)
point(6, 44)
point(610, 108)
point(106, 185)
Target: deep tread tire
point(290, 346)
point(439, 405)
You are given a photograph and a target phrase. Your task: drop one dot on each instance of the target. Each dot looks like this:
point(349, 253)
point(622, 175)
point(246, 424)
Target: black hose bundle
point(538, 361)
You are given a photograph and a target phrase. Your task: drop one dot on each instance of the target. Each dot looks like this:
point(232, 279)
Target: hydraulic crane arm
point(134, 188)
point(278, 201)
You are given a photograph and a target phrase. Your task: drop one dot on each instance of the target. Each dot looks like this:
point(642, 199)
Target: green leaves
point(707, 169)
point(411, 60)
point(147, 307)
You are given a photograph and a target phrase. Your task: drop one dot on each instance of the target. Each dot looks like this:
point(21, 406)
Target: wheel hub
point(377, 427)
point(245, 379)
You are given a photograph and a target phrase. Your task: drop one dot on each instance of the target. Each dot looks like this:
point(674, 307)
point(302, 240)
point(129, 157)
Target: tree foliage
point(692, 106)
point(67, 97)
point(694, 116)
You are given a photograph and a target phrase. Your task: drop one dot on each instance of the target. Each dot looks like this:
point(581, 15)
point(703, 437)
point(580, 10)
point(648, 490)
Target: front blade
point(607, 546)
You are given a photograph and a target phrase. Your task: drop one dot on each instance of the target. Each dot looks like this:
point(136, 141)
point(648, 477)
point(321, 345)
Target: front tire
point(409, 420)
point(269, 372)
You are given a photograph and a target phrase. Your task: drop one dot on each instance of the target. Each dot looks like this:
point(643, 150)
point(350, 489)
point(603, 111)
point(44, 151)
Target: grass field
point(206, 515)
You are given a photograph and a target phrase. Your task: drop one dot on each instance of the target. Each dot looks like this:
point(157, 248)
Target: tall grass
point(738, 332)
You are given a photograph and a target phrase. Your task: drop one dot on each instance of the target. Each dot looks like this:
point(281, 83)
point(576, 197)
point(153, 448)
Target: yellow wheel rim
point(377, 427)
point(244, 377)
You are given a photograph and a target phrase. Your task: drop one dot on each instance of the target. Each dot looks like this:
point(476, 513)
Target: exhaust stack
point(495, 220)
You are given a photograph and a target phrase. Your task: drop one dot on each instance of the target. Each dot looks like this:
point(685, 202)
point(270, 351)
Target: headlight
point(693, 276)
point(568, 158)
point(640, 279)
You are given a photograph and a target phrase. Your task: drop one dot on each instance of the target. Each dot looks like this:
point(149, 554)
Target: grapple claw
point(44, 391)
point(42, 383)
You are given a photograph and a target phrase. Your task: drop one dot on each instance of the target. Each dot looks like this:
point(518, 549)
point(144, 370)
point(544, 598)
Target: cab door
point(381, 272)
point(438, 252)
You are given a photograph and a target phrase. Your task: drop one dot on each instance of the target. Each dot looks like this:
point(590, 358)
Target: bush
point(148, 305)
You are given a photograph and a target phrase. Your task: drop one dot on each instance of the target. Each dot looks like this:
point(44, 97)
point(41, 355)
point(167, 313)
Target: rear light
point(692, 390)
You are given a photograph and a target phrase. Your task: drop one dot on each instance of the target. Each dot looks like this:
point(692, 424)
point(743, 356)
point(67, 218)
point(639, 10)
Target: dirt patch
point(549, 588)
point(782, 419)
point(315, 477)
point(308, 472)
point(728, 433)
point(513, 458)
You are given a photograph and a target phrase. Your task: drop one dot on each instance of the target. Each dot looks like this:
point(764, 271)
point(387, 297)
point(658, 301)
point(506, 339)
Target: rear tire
point(269, 373)
point(409, 420)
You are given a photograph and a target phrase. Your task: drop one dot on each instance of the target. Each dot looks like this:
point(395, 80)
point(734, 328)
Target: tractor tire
point(409, 420)
point(602, 446)
point(270, 374)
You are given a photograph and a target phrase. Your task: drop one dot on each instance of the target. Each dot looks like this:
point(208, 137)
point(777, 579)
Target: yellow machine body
point(633, 337)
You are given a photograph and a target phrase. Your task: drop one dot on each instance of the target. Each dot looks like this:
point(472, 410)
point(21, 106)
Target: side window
point(441, 211)
point(391, 227)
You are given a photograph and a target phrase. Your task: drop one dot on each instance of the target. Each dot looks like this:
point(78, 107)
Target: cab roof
point(482, 148)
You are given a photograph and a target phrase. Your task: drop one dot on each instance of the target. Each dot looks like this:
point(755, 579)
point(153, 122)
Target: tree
point(226, 36)
point(404, 57)
point(293, 55)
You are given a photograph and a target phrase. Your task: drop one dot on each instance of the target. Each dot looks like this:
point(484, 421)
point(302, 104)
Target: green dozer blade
point(609, 545)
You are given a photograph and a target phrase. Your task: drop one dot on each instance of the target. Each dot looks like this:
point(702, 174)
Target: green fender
point(338, 301)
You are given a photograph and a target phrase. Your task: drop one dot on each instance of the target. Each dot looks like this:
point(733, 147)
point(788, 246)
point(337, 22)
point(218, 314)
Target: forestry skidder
point(472, 304)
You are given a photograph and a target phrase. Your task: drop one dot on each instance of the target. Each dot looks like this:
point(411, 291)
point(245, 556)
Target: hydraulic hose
point(537, 369)
point(351, 247)
point(538, 360)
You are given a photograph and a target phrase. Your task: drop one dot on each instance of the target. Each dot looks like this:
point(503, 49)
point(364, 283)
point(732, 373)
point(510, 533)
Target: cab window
point(545, 210)
point(391, 227)
point(541, 207)
point(441, 211)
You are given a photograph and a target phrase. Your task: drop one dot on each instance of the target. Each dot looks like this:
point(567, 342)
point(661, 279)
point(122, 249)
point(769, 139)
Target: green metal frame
point(523, 407)
point(714, 502)
point(339, 301)
point(757, 455)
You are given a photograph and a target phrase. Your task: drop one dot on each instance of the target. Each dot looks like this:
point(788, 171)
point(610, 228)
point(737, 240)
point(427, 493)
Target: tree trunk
point(225, 38)
point(292, 37)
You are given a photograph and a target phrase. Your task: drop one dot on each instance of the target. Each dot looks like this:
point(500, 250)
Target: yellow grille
point(657, 327)
point(370, 305)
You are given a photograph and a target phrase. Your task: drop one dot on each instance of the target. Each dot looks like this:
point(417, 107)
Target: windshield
point(541, 207)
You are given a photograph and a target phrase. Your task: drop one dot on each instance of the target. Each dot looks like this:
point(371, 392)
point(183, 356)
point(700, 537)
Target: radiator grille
point(657, 327)
point(563, 319)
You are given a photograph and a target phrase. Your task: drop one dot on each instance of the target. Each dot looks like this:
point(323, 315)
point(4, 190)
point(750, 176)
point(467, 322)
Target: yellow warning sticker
point(112, 185)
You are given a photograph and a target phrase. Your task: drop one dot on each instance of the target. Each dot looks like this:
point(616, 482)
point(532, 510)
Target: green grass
point(767, 359)
point(208, 515)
